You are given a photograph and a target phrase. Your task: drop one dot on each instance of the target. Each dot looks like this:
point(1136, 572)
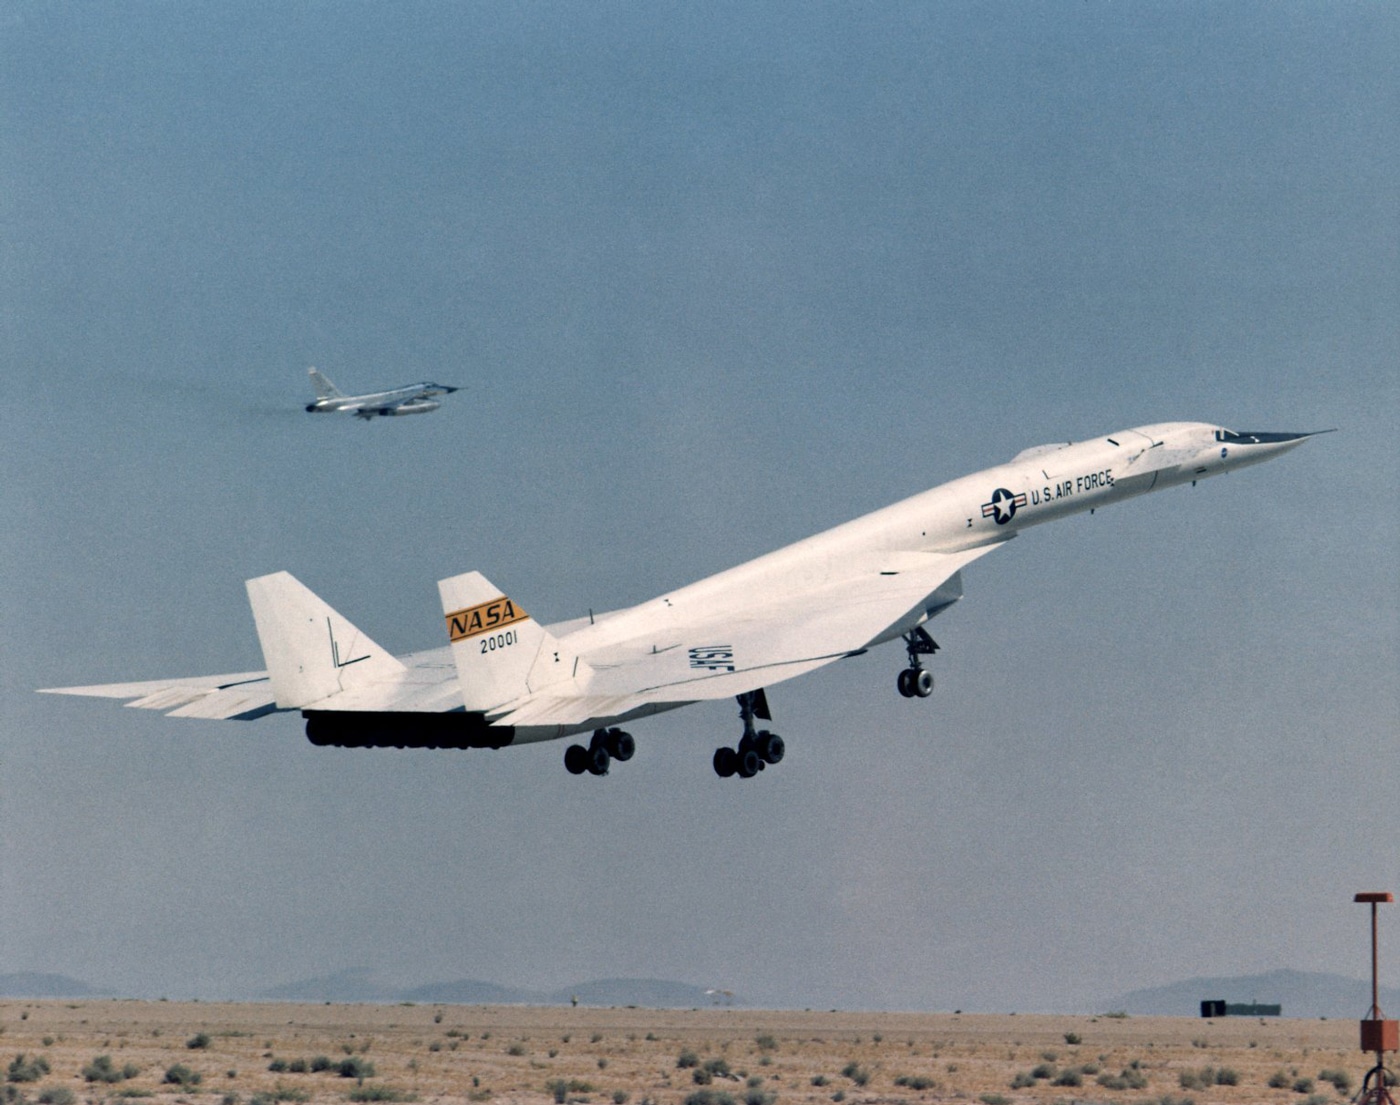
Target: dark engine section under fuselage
point(355, 729)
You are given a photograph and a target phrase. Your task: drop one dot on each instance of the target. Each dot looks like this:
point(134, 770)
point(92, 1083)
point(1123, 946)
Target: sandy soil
point(536, 1056)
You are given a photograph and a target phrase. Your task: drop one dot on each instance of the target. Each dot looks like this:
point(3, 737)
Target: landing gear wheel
point(748, 763)
point(726, 762)
point(922, 682)
point(620, 745)
point(576, 759)
point(770, 747)
point(598, 760)
point(905, 683)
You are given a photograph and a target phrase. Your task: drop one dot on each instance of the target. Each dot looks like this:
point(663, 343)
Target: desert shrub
point(559, 1089)
point(1279, 1080)
point(196, 1042)
point(27, 1070)
point(516, 1049)
point(766, 1042)
point(994, 1099)
point(1339, 1078)
point(102, 1069)
point(1303, 1085)
point(1130, 1079)
point(1227, 1076)
point(297, 1066)
point(1044, 1070)
point(819, 1080)
point(181, 1075)
point(278, 1066)
point(620, 1097)
point(915, 1082)
point(701, 1077)
point(718, 1067)
point(1023, 1080)
point(57, 1095)
point(1070, 1077)
point(1073, 1038)
point(856, 1073)
point(377, 1091)
point(685, 1059)
point(355, 1068)
point(320, 1063)
point(759, 1097)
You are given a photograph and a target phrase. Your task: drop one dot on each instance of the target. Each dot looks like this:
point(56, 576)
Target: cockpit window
point(1262, 438)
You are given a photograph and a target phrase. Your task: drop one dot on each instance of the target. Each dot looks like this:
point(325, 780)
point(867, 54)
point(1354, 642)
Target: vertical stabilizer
point(311, 651)
point(501, 652)
point(324, 388)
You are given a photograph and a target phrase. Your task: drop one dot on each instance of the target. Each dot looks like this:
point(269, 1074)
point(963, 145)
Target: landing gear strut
point(607, 745)
point(916, 681)
point(757, 748)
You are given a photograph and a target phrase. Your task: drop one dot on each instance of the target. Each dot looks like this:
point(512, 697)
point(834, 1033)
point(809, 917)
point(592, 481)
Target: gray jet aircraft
point(412, 399)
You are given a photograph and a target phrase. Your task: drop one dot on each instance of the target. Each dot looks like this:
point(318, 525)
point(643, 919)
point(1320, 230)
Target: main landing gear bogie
point(916, 681)
point(757, 748)
point(607, 745)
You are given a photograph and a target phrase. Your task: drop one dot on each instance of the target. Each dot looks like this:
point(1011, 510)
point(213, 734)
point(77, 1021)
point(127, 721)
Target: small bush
point(198, 1042)
point(516, 1049)
point(57, 1095)
point(1339, 1078)
point(685, 1059)
point(709, 1097)
point(102, 1069)
point(1073, 1038)
point(994, 1099)
point(1044, 1070)
point(1279, 1080)
point(297, 1066)
point(355, 1068)
point(278, 1066)
point(819, 1080)
point(1022, 1081)
point(620, 1097)
point(1304, 1085)
point(1070, 1077)
point(718, 1067)
point(759, 1097)
point(856, 1073)
point(27, 1070)
point(915, 1082)
point(766, 1043)
point(181, 1075)
point(320, 1063)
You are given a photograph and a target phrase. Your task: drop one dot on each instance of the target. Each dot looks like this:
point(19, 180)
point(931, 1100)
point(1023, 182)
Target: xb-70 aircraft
point(503, 678)
point(410, 399)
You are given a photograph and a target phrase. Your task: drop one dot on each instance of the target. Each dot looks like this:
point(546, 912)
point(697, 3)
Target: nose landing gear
point(757, 748)
point(916, 681)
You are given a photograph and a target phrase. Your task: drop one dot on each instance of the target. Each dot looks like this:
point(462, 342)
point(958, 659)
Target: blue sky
point(713, 278)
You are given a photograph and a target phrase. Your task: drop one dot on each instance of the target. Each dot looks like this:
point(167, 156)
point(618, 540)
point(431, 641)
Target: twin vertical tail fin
point(324, 388)
point(500, 651)
point(312, 652)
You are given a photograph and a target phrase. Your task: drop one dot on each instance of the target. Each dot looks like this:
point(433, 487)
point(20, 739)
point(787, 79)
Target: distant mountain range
point(360, 985)
point(1302, 994)
point(32, 984)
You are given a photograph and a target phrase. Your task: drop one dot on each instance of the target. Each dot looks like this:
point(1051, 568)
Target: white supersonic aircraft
point(505, 679)
point(410, 399)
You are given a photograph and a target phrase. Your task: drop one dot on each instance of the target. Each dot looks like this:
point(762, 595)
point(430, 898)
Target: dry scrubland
point(259, 1054)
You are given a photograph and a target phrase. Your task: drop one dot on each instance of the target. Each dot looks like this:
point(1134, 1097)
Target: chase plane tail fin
point(324, 388)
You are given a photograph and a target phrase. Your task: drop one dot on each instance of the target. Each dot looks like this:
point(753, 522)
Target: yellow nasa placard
point(483, 618)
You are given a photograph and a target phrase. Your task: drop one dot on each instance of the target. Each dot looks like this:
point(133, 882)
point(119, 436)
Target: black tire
point(771, 747)
point(726, 762)
point(748, 763)
point(598, 760)
point(923, 682)
point(576, 759)
point(905, 683)
point(621, 745)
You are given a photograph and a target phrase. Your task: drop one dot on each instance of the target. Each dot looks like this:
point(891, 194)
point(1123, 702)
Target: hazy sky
point(714, 277)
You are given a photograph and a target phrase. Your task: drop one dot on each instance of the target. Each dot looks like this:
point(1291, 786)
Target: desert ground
point(183, 1053)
